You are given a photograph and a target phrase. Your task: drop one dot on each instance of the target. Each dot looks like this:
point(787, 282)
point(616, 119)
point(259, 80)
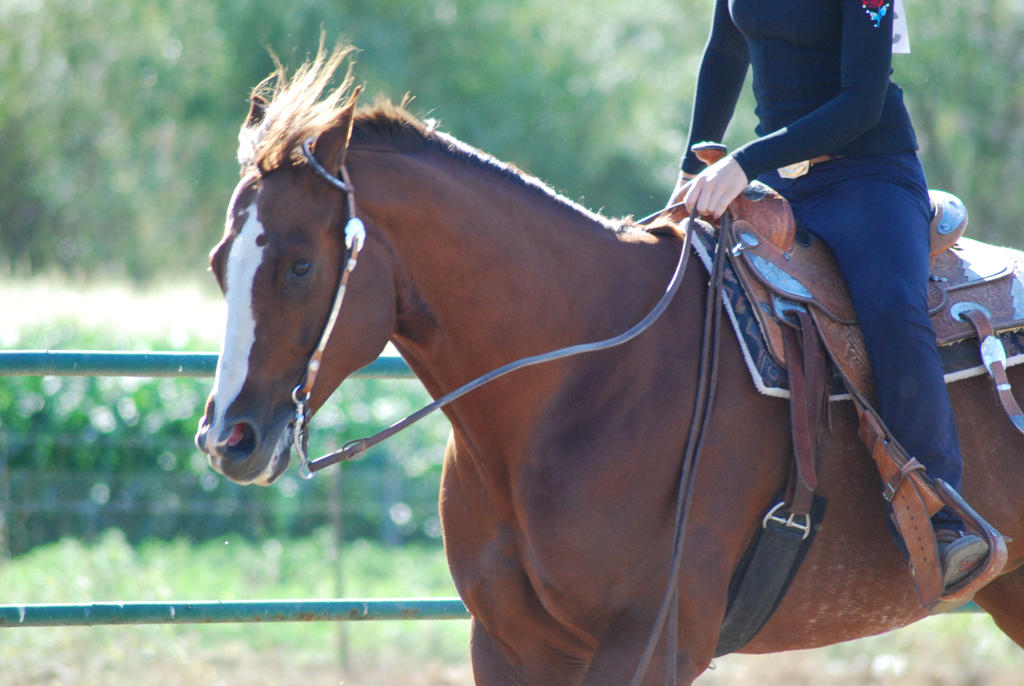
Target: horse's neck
point(491, 271)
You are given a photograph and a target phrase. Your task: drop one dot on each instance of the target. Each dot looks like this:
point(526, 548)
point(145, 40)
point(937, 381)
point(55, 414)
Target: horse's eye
point(300, 267)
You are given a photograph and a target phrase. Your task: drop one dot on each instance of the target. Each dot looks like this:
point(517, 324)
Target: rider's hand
point(711, 191)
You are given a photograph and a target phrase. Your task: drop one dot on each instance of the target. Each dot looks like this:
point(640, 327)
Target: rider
point(821, 81)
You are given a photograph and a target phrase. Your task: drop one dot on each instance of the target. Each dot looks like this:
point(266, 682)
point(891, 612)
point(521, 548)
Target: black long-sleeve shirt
point(820, 77)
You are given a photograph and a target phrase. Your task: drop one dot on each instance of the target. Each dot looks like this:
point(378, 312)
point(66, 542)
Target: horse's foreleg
point(618, 656)
point(1003, 599)
point(532, 660)
point(490, 666)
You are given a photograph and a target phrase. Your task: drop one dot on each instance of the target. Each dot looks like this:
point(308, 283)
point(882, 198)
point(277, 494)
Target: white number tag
point(900, 38)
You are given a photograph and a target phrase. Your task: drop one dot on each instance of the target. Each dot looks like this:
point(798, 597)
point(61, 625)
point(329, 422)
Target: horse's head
point(279, 264)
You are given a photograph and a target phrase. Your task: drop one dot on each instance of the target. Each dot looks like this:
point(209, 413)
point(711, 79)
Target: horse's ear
point(332, 144)
point(257, 109)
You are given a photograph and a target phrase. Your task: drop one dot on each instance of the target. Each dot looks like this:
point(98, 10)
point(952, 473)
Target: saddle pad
point(960, 359)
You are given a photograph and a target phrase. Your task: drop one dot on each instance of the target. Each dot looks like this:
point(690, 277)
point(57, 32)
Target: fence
point(105, 363)
point(82, 363)
point(165, 364)
point(84, 447)
point(215, 611)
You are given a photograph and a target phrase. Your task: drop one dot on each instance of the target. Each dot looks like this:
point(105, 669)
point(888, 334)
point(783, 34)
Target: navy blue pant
point(874, 213)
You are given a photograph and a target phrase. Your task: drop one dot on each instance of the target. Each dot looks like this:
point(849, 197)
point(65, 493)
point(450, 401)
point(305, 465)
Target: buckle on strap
point(797, 522)
point(798, 169)
point(795, 170)
point(890, 487)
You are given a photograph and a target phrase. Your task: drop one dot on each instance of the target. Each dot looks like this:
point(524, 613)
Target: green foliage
point(119, 119)
point(84, 454)
point(967, 100)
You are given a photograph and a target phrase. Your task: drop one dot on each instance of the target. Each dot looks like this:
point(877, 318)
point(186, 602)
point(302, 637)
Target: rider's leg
point(874, 214)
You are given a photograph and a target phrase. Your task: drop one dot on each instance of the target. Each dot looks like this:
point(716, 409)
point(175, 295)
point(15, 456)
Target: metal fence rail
point(219, 612)
point(111, 363)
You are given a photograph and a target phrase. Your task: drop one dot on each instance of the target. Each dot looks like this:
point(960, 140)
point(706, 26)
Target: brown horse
point(559, 488)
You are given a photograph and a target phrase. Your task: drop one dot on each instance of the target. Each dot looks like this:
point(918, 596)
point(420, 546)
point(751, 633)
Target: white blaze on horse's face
point(243, 260)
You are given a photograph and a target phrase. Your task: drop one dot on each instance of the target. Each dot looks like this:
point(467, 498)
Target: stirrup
point(992, 564)
point(960, 555)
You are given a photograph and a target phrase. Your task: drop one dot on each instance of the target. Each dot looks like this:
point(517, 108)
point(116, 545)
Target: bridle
point(355, 237)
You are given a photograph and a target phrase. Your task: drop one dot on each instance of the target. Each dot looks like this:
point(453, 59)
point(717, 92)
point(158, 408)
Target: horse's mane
point(304, 105)
point(294, 109)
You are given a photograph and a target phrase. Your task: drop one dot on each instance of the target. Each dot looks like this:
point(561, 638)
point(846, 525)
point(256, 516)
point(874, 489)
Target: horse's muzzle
point(244, 454)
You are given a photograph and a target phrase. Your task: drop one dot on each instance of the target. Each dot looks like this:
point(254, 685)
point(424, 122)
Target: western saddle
point(805, 313)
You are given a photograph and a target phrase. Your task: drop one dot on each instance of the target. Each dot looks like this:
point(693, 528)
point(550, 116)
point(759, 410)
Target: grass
point(324, 653)
point(950, 650)
point(947, 650)
point(187, 314)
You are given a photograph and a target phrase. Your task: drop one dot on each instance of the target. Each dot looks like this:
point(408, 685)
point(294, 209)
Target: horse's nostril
point(236, 437)
point(240, 440)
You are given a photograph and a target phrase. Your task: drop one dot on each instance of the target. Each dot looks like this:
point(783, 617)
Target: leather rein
point(355, 237)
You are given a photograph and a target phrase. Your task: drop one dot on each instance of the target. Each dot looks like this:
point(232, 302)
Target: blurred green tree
point(119, 119)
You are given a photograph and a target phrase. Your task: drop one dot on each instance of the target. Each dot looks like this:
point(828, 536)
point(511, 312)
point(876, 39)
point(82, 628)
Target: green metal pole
point(113, 363)
point(214, 611)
